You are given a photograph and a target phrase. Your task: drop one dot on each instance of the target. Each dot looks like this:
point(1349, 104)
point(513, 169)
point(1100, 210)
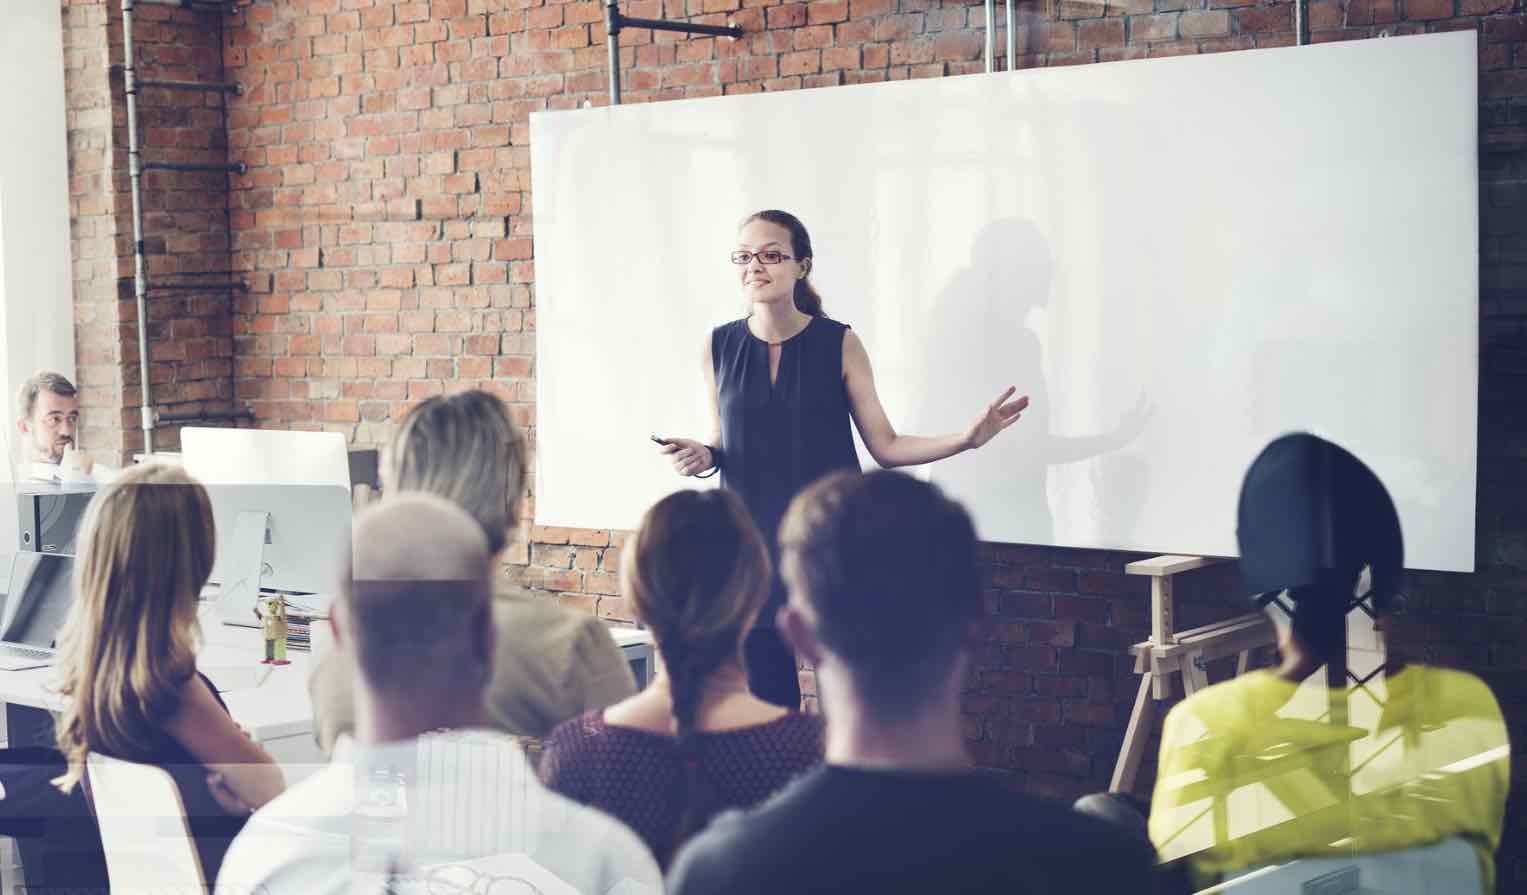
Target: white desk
point(277, 713)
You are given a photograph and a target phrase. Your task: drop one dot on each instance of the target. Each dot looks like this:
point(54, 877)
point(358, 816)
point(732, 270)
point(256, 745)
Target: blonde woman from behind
point(551, 663)
point(127, 656)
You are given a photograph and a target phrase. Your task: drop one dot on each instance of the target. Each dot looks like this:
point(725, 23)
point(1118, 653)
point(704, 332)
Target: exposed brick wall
point(93, 228)
point(185, 220)
point(384, 227)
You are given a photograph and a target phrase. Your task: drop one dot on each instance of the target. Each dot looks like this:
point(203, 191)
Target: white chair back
point(144, 833)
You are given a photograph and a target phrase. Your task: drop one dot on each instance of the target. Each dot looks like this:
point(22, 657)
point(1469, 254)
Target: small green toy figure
point(273, 625)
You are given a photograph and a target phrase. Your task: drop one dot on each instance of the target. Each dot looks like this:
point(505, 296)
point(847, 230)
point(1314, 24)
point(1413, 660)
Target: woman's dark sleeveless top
point(779, 437)
point(213, 828)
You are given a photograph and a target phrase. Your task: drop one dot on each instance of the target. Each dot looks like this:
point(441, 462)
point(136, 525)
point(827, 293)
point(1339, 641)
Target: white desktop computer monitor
point(265, 457)
point(286, 538)
point(281, 502)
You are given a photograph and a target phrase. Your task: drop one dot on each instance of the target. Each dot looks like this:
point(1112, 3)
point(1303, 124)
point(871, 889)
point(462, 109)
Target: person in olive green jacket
point(551, 663)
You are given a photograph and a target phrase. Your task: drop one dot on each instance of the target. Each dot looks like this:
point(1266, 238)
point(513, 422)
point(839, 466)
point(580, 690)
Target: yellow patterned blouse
point(1259, 770)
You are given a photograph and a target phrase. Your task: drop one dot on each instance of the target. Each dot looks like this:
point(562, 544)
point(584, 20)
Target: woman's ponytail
point(697, 575)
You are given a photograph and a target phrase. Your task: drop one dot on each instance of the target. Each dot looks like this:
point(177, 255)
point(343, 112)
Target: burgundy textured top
point(636, 776)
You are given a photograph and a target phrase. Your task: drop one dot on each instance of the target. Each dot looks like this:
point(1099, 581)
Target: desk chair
point(144, 833)
point(365, 478)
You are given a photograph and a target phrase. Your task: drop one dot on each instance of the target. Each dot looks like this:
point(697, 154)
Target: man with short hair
point(50, 415)
point(884, 600)
point(426, 790)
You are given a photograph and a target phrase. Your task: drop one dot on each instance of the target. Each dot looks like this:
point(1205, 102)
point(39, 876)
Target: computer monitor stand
point(245, 566)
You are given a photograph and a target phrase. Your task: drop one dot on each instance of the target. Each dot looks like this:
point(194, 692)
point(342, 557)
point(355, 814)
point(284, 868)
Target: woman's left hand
point(999, 414)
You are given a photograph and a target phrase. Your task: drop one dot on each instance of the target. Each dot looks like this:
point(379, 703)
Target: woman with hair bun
point(784, 381)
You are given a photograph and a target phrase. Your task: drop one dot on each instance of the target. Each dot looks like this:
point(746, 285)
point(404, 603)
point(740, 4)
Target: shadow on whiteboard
point(1003, 293)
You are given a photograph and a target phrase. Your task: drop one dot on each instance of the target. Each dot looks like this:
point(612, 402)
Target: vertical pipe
point(233, 345)
point(612, 44)
point(135, 175)
point(1301, 22)
point(1012, 37)
point(991, 35)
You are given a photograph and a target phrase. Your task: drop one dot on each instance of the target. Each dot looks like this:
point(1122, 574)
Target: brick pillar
point(93, 224)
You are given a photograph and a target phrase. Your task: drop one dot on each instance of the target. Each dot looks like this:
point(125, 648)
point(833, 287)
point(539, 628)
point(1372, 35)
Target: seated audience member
point(695, 742)
point(425, 788)
point(552, 662)
point(885, 602)
point(50, 415)
point(1288, 763)
point(127, 656)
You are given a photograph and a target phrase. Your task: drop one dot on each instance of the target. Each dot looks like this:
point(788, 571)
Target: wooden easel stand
point(1186, 653)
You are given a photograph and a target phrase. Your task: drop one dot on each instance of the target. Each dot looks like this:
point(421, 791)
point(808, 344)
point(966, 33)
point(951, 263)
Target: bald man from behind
point(425, 790)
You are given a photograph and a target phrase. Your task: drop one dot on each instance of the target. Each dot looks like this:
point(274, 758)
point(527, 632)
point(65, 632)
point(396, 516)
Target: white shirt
point(72, 475)
point(419, 805)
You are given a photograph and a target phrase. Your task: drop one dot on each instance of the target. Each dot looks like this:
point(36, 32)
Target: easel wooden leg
point(1195, 676)
point(1161, 681)
point(1136, 737)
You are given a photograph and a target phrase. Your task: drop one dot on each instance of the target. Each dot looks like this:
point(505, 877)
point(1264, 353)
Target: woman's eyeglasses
point(768, 256)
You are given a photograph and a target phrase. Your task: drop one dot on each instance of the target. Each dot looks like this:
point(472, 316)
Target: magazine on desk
point(299, 628)
point(301, 611)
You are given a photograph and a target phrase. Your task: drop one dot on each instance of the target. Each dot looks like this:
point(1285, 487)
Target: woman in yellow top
point(1279, 764)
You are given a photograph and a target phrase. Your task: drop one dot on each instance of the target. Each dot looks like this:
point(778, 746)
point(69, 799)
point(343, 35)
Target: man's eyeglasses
point(460, 879)
point(768, 256)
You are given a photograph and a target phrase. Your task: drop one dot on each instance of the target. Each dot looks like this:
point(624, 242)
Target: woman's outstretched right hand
point(689, 457)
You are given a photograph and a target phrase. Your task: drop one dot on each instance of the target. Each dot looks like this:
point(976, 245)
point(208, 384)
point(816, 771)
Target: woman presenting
point(784, 381)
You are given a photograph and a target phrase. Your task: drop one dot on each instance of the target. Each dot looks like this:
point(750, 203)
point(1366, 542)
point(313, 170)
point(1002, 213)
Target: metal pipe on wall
point(131, 83)
point(991, 35)
point(223, 5)
point(135, 177)
point(237, 168)
point(166, 84)
point(239, 285)
point(615, 22)
point(612, 47)
point(1012, 37)
point(207, 416)
point(1301, 22)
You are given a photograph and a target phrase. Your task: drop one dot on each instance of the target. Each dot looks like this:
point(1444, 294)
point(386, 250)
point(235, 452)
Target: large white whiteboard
point(1179, 259)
